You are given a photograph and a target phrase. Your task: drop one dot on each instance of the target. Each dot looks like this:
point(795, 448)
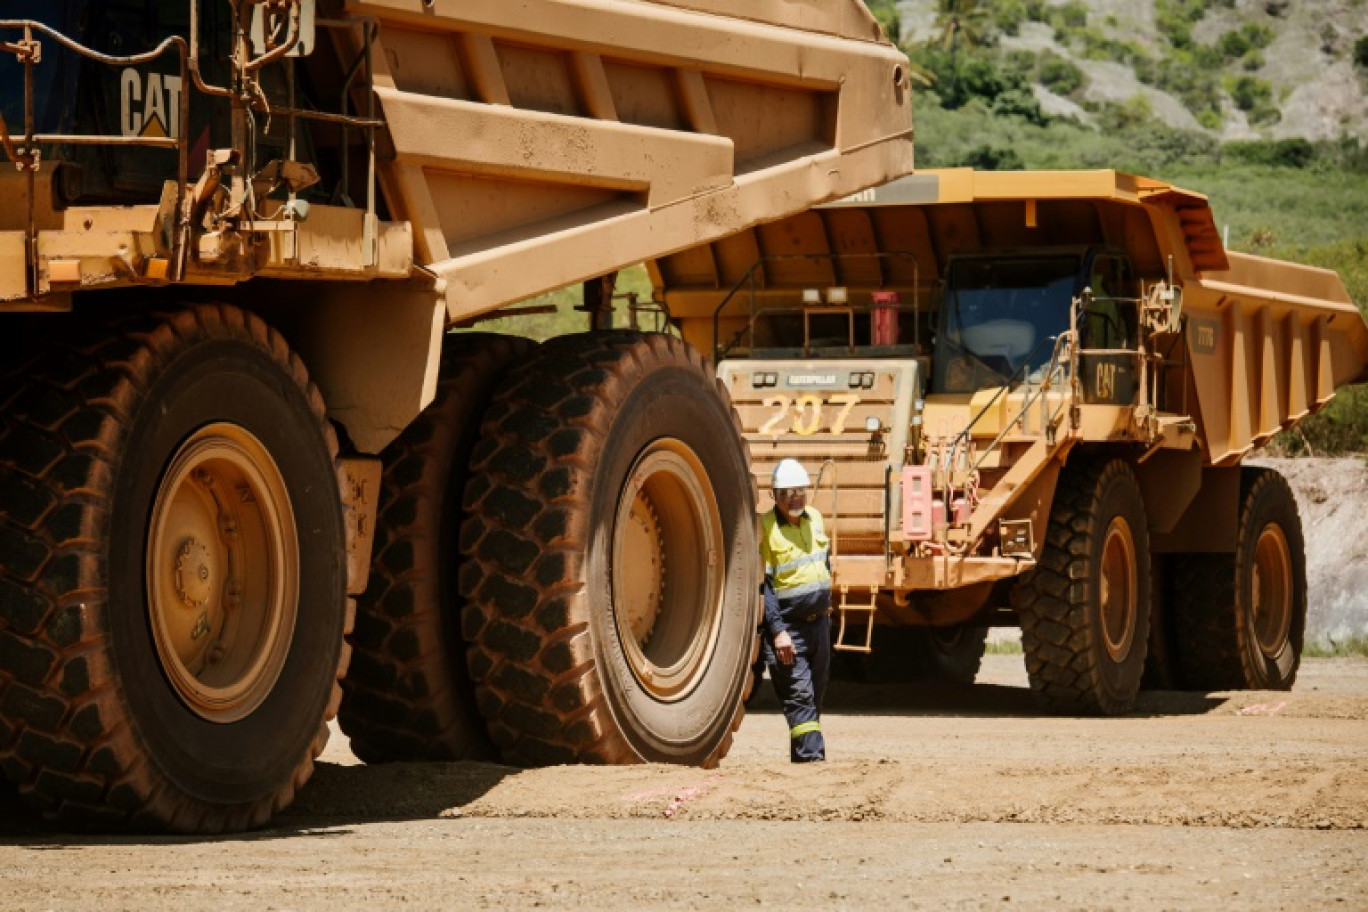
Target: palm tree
point(963, 22)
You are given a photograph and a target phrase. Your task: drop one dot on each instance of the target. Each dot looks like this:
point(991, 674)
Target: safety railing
point(25, 150)
point(27, 155)
point(753, 277)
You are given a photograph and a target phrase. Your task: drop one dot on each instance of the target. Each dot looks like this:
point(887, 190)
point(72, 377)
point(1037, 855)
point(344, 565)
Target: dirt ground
point(933, 798)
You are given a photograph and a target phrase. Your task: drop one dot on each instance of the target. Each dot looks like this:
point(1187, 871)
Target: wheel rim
point(1271, 591)
point(1118, 589)
point(222, 572)
point(667, 569)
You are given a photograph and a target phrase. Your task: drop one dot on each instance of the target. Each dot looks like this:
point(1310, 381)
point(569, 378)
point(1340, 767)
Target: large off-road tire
point(1161, 658)
point(173, 591)
point(920, 655)
point(408, 695)
point(1240, 618)
point(611, 563)
point(1084, 609)
point(950, 655)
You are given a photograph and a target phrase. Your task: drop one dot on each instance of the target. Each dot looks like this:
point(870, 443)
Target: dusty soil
point(933, 798)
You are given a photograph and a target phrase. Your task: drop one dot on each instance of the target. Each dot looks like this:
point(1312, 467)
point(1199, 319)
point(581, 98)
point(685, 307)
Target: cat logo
point(149, 104)
point(1106, 381)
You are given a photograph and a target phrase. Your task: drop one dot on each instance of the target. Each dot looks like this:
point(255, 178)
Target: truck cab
point(1003, 312)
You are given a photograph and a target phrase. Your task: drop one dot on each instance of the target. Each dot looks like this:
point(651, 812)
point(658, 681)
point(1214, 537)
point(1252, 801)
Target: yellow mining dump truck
point(1029, 395)
point(232, 236)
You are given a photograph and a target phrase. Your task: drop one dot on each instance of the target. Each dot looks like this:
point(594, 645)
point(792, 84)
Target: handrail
point(832, 532)
point(1004, 388)
point(29, 55)
point(748, 280)
point(26, 153)
point(1030, 400)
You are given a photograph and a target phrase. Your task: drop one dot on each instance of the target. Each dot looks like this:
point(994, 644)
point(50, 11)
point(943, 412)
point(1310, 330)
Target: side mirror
point(272, 29)
point(1163, 308)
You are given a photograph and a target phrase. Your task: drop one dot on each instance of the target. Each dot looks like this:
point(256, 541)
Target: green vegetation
point(565, 318)
point(1354, 646)
point(1058, 74)
point(1003, 647)
point(886, 13)
point(1361, 52)
point(1254, 96)
point(1237, 43)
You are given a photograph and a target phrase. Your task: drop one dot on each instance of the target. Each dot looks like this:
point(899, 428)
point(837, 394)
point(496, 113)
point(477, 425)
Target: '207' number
point(805, 414)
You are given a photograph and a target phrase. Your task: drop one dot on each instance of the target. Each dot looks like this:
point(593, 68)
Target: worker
point(797, 625)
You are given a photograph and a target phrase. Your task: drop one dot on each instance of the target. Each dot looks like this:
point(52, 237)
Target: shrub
point(963, 75)
point(1059, 75)
point(1295, 152)
point(1233, 44)
point(1259, 36)
point(994, 158)
point(1072, 15)
point(1098, 46)
point(1008, 16)
point(1263, 115)
point(1178, 74)
point(1251, 93)
point(1361, 52)
point(1136, 112)
point(1019, 103)
point(1210, 119)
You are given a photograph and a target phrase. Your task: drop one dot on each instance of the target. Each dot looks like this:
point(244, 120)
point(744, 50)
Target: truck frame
point(1030, 395)
point(249, 480)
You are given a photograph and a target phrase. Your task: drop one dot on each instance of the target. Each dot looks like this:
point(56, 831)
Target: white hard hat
point(789, 473)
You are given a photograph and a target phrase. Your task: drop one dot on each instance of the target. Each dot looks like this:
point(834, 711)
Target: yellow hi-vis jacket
point(795, 555)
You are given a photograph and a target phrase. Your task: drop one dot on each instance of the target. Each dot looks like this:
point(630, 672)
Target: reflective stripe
point(816, 586)
point(804, 728)
point(795, 555)
point(814, 558)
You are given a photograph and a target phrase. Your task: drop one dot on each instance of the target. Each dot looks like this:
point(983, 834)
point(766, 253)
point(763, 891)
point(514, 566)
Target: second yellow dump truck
point(1029, 396)
point(248, 480)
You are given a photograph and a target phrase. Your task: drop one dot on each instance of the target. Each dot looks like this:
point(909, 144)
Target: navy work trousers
point(802, 685)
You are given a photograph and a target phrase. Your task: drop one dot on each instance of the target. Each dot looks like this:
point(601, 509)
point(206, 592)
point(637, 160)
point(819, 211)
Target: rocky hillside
point(1233, 69)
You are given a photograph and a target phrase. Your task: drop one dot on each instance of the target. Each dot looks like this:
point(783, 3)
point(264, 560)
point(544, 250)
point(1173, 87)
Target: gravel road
point(933, 798)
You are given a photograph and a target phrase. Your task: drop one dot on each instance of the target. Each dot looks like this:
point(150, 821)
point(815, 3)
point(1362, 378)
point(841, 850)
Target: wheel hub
point(1118, 590)
point(222, 573)
point(1271, 591)
point(643, 587)
point(194, 574)
point(666, 571)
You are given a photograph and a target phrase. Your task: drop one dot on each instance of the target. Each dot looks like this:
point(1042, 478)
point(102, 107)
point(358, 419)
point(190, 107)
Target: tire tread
point(99, 777)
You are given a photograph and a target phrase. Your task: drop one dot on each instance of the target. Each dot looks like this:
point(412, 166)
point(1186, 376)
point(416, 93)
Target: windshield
point(998, 315)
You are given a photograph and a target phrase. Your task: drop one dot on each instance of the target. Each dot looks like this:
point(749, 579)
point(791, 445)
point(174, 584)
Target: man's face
point(791, 502)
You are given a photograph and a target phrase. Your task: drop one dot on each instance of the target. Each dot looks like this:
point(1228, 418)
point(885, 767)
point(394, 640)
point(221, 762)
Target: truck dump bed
point(542, 143)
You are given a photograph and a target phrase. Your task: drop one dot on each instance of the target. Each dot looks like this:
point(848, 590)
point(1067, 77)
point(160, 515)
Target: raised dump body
point(236, 237)
point(985, 360)
point(595, 135)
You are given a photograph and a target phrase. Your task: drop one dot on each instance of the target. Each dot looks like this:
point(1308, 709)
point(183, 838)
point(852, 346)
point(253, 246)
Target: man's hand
point(783, 647)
